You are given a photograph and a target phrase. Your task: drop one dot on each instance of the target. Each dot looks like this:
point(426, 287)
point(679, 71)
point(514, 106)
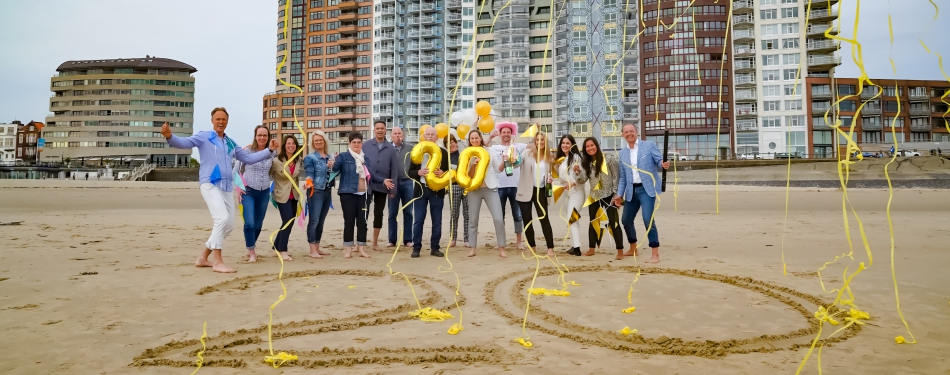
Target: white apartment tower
point(771, 40)
point(418, 49)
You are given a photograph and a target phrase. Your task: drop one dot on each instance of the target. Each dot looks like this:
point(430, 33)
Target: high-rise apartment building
point(328, 44)
point(776, 50)
point(913, 108)
point(112, 109)
point(686, 86)
point(418, 71)
point(597, 69)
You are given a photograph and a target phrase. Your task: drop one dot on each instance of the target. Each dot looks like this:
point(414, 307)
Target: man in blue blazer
point(640, 182)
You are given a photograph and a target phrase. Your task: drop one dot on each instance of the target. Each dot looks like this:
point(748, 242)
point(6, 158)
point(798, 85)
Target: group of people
point(380, 171)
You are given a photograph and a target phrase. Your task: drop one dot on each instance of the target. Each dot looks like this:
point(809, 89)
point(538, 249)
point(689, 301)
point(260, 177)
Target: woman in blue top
point(216, 153)
point(256, 192)
point(354, 179)
point(318, 165)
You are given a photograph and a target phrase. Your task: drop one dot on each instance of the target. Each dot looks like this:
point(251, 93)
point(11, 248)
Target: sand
point(99, 278)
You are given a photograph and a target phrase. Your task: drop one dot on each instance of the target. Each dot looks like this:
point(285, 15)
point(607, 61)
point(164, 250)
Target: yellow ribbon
point(201, 359)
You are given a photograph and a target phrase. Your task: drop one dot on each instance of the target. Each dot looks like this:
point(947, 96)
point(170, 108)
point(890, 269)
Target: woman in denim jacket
point(354, 179)
point(318, 165)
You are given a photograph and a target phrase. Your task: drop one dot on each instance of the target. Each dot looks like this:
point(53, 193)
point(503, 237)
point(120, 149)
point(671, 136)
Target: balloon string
point(201, 359)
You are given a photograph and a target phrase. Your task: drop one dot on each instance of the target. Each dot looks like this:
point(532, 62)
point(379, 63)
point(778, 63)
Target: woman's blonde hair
point(326, 143)
point(545, 152)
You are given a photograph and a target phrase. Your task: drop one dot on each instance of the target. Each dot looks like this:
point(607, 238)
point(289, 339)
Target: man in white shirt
point(508, 184)
point(640, 182)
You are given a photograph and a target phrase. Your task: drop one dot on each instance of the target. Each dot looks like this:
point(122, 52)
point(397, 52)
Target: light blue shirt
point(217, 155)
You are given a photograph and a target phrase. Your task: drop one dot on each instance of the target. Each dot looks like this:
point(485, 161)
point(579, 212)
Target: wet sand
point(718, 302)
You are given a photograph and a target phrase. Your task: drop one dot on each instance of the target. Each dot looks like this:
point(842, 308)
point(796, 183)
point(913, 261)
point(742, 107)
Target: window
point(790, 43)
point(791, 58)
point(540, 114)
point(821, 90)
point(486, 58)
point(580, 80)
point(771, 122)
point(795, 120)
point(790, 12)
point(540, 69)
point(488, 43)
point(771, 75)
point(579, 50)
point(483, 30)
point(889, 121)
point(771, 105)
point(844, 90)
point(793, 89)
point(580, 65)
point(580, 96)
point(793, 105)
point(772, 90)
point(544, 10)
point(486, 72)
point(891, 106)
point(539, 39)
point(768, 60)
point(769, 44)
point(847, 105)
point(790, 74)
point(539, 84)
point(789, 28)
point(540, 55)
point(769, 30)
point(821, 137)
point(871, 137)
point(485, 87)
point(768, 14)
point(539, 25)
point(540, 98)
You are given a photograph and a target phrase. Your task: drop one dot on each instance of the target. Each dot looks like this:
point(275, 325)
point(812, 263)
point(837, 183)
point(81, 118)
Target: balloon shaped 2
point(471, 183)
point(435, 160)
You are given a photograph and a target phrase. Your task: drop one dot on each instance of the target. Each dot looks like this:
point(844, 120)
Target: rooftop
point(140, 62)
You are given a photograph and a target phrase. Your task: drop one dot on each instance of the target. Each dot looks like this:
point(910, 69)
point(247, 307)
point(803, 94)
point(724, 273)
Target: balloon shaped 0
point(486, 124)
point(482, 108)
point(471, 183)
point(435, 160)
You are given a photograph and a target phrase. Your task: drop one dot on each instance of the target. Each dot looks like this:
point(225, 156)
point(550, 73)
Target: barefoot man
point(216, 152)
point(639, 160)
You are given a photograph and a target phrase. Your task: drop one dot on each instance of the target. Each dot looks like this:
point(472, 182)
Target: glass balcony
point(746, 110)
point(822, 45)
point(823, 14)
point(916, 111)
point(743, 34)
point(745, 50)
point(819, 29)
point(747, 125)
point(742, 7)
point(504, 75)
point(817, 61)
point(744, 64)
point(745, 95)
point(631, 84)
point(745, 79)
point(744, 19)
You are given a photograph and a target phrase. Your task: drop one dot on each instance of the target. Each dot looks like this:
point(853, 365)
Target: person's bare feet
point(589, 253)
point(619, 255)
point(633, 251)
point(376, 247)
point(550, 253)
point(251, 256)
point(409, 244)
point(656, 256)
point(286, 257)
point(452, 244)
point(390, 245)
point(222, 268)
point(521, 245)
point(348, 253)
point(203, 263)
point(359, 249)
point(315, 251)
point(501, 252)
point(466, 244)
point(471, 253)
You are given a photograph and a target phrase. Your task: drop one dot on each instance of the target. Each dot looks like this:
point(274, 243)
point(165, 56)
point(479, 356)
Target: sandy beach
point(99, 278)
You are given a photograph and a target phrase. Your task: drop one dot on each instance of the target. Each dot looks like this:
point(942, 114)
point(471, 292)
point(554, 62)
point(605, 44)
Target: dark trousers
point(319, 205)
point(352, 206)
point(541, 205)
point(255, 207)
point(378, 208)
point(287, 212)
point(613, 223)
point(434, 202)
point(404, 191)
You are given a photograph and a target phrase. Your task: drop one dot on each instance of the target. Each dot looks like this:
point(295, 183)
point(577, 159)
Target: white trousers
point(221, 205)
point(575, 201)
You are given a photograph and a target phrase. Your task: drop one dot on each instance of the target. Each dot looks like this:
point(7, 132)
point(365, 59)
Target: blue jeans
point(319, 205)
point(255, 207)
point(404, 190)
point(434, 202)
point(509, 193)
point(640, 199)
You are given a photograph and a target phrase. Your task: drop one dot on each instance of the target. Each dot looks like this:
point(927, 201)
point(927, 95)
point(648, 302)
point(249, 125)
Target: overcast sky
point(232, 44)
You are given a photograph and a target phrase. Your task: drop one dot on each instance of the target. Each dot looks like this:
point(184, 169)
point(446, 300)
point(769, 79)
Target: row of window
point(156, 124)
point(180, 94)
point(686, 74)
point(107, 144)
point(131, 113)
point(684, 43)
point(693, 58)
point(687, 27)
point(106, 134)
point(154, 82)
point(696, 10)
point(778, 75)
point(787, 43)
point(146, 103)
point(685, 107)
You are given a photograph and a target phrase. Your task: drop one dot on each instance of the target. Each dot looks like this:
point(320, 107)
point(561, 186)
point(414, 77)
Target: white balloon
point(457, 118)
point(470, 117)
point(493, 114)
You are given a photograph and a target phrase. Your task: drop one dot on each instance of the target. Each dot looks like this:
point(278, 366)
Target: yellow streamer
point(201, 359)
point(549, 292)
point(627, 331)
point(629, 310)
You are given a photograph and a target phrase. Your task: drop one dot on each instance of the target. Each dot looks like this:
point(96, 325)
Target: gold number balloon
point(471, 183)
point(435, 161)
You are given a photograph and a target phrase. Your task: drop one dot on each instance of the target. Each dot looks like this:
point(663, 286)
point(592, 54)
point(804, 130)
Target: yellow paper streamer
point(629, 310)
point(201, 359)
point(549, 292)
point(627, 331)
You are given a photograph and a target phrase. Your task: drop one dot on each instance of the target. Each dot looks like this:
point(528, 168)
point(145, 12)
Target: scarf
point(360, 168)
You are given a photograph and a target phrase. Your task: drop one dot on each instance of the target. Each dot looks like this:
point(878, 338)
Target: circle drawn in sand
point(511, 306)
point(222, 349)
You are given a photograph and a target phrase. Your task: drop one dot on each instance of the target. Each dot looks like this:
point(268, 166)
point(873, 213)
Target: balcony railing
point(743, 50)
point(917, 95)
point(631, 84)
point(743, 34)
point(741, 5)
point(746, 111)
point(745, 79)
point(744, 64)
point(512, 104)
point(563, 88)
point(514, 60)
point(823, 13)
point(747, 125)
point(871, 111)
point(823, 60)
point(869, 92)
point(819, 29)
point(920, 126)
point(631, 116)
point(631, 100)
point(744, 18)
point(561, 103)
point(563, 118)
point(511, 45)
point(920, 111)
point(870, 126)
point(512, 75)
point(745, 95)
point(815, 45)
